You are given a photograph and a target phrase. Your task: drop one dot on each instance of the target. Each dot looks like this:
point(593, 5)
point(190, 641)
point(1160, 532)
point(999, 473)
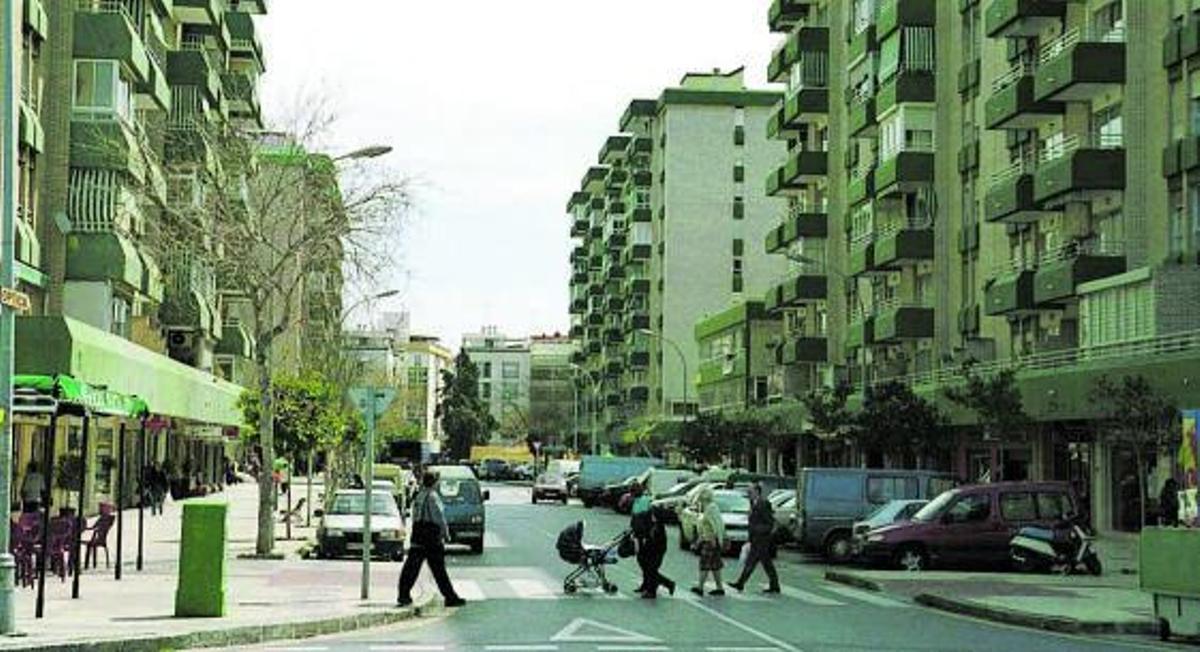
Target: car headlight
point(333, 533)
point(476, 520)
point(875, 538)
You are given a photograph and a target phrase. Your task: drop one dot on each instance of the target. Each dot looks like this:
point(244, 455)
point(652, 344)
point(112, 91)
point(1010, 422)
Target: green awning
point(72, 391)
point(61, 346)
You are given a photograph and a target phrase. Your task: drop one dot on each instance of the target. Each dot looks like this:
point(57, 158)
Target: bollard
point(202, 560)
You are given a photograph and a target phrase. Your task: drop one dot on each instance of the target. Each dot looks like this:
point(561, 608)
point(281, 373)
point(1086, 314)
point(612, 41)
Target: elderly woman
point(710, 533)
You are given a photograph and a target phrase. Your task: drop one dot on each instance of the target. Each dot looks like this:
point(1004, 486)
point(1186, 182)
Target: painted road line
point(297, 649)
point(520, 648)
point(810, 598)
point(493, 540)
point(527, 589)
point(781, 645)
point(407, 648)
point(469, 590)
point(743, 597)
point(632, 648)
point(865, 596)
point(743, 649)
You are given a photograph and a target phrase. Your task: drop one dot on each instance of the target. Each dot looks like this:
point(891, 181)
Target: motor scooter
point(1065, 548)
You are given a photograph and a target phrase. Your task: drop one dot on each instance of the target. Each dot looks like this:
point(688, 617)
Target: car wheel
point(912, 558)
point(477, 547)
point(533, 498)
point(564, 500)
point(398, 554)
point(1164, 629)
point(837, 547)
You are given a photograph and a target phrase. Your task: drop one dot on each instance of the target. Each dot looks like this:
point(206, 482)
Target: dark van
point(971, 524)
point(829, 501)
point(462, 501)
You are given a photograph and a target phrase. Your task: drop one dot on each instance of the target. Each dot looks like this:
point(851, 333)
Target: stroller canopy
point(570, 543)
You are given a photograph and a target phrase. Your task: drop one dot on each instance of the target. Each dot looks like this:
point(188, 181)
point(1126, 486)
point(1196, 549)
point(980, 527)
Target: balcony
point(861, 186)
point(100, 256)
point(804, 167)
point(803, 105)
point(1060, 271)
point(1010, 198)
point(904, 172)
point(894, 14)
point(242, 90)
point(904, 244)
point(1012, 106)
point(860, 332)
point(637, 321)
point(638, 393)
point(803, 350)
point(1080, 168)
point(905, 86)
point(249, 6)
point(637, 286)
point(1079, 66)
point(786, 14)
point(198, 12)
point(104, 142)
point(803, 222)
point(1026, 18)
point(105, 30)
point(636, 252)
point(35, 18)
point(861, 256)
point(195, 65)
point(862, 121)
point(902, 321)
point(29, 128)
point(862, 42)
point(807, 285)
point(1009, 291)
point(244, 42)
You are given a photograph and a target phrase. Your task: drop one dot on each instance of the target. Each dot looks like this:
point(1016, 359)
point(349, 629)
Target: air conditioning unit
point(181, 345)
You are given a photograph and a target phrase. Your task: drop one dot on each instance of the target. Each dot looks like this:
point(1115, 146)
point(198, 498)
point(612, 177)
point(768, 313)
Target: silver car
point(340, 531)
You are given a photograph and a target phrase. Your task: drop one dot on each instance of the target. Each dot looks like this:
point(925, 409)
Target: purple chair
point(62, 539)
point(99, 538)
point(23, 545)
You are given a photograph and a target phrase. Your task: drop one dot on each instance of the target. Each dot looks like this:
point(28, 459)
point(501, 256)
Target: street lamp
point(8, 221)
point(682, 360)
point(592, 411)
point(371, 151)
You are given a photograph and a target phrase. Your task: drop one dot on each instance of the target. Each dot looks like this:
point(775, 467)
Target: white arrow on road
point(600, 633)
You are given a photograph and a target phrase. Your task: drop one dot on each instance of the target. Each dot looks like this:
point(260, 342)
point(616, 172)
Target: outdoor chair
point(98, 539)
point(294, 514)
point(62, 531)
point(23, 544)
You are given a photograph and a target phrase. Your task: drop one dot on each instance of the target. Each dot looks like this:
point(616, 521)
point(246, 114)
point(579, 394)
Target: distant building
point(551, 389)
point(424, 360)
point(503, 364)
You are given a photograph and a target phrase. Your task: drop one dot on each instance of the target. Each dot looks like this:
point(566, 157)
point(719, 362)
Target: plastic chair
point(62, 531)
point(23, 545)
point(98, 539)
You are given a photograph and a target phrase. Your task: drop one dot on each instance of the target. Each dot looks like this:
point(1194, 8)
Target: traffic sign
point(362, 399)
point(15, 299)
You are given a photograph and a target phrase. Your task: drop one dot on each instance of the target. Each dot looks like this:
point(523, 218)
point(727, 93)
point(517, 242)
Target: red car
point(971, 524)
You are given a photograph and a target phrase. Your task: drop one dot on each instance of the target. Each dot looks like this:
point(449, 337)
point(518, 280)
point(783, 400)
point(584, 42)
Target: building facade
point(665, 224)
point(553, 411)
point(738, 354)
point(1006, 182)
point(425, 360)
point(503, 364)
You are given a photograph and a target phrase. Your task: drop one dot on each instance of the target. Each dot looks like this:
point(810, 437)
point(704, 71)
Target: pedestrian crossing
point(823, 594)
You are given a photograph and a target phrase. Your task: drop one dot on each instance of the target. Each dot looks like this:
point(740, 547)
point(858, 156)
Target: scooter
point(1065, 548)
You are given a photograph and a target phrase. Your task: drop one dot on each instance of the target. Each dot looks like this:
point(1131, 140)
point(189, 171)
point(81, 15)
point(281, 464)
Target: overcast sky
point(497, 108)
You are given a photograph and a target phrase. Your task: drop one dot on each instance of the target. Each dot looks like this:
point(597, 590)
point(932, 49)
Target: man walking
point(427, 544)
point(762, 541)
point(651, 544)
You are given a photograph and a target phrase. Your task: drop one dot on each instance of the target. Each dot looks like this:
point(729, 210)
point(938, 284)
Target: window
point(1054, 506)
point(739, 246)
point(99, 89)
point(508, 391)
point(486, 370)
point(1108, 22)
point(739, 208)
point(1017, 507)
point(970, 509)
point(1107, 128)
point(739, 135)
point(509, 369)
point(881, 489)
point(836, 486)
point(738, 265)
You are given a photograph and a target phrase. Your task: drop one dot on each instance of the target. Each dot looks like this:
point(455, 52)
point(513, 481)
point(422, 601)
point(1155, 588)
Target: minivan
point(462, 501)
point(970, 524)
point(829, 501)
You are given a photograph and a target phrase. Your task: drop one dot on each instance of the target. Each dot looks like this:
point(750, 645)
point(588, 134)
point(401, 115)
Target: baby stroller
point(589, 560)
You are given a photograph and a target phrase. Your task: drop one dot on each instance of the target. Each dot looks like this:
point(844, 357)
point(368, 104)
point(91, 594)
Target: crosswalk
point(823, 594)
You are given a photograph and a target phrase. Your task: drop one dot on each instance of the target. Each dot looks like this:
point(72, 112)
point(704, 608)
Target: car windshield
point(458, 491)
point(934, 509)
point(381, 504)
point(733, 502)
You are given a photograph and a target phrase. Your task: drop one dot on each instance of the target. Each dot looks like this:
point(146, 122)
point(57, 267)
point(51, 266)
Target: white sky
point(498, 108)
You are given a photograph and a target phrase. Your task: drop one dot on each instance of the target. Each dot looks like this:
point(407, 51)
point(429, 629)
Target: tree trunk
point(1141, 479)
point(308, 500)
point(265, 539)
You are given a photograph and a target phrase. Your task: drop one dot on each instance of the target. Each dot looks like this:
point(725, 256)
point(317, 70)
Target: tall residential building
point(1008, 182)
point(666, 225)
point(117, 99)
point(503, 364)
point(425, 360)
point(552, 391)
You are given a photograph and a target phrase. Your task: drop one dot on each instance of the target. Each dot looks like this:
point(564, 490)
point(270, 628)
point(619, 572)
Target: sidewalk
point(267, 599)
point(1111, 603)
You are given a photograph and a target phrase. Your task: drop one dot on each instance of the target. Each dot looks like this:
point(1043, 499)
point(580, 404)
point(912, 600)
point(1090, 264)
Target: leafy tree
point(827, 412)
point(465, 417)
point(995, 400)
point(1138, 417)
point(894, 421)
point(309, 412)
point(704, 439)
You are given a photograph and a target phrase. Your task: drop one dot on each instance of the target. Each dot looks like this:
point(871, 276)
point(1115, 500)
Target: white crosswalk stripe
point(809, 597)
point(530, 589)
point(469, 590)
point(865, 596)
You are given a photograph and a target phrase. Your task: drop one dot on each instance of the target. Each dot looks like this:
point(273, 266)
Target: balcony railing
point(1057, 149)
point(895, 303)
point(104, 7)
point(1142, 350)
point(908, 224)
point(1062, 252)
point(1071, 37)
point(1023, 69)
point(1018, 168)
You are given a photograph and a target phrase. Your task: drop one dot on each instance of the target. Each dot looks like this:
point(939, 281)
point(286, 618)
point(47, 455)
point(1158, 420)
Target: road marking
point(527, 589)
point(743, 649)
point(632, 648)
point(600, 633)
point(865, 596)
point(297, 649)
point(810, 598)
point(469, 590)
point(742, 597)
point(407, 648)
point(520, 648)
point(493, 540)
point(782, 645)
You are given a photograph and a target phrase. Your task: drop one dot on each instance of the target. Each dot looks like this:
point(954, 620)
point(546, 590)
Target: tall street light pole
point(9, 42)
point(682, 361)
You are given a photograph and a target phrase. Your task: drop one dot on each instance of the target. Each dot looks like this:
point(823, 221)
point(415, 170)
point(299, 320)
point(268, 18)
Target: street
point(515, 603)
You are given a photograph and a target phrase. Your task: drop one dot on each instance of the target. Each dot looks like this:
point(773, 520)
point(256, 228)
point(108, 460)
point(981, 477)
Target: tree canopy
point(465, 417)
point(894, 421)
point(995, 400)
point(309, 411)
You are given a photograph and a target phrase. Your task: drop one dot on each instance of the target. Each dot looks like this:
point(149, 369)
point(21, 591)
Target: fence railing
point(1054, 150)
point(909, 224)
point(1013, 76)
point(1071, 37)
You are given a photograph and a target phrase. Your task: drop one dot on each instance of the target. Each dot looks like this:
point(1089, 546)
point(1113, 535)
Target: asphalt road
point(516, 604)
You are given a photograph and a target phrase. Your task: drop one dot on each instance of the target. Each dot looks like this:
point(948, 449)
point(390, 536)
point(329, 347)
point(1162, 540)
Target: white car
point(340, 531)
point(550, 485)
point(734, 506)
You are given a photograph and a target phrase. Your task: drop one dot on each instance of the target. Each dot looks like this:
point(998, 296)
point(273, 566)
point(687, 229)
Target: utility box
point(202, 559)
point(1170, 571)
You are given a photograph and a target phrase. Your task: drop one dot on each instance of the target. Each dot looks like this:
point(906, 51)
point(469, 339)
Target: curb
point(234, 636)
point(853, 580)
point(1059, 624)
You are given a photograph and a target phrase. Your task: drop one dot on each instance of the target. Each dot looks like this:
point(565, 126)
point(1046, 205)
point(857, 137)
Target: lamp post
point(595, 399)
point(682, 361)
point(9, 42)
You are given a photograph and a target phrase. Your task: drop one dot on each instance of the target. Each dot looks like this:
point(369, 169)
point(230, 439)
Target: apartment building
point(1007, 182)
point(115, 98)
point(503, 364)
point(552, 393)
point(738, 355)
point(665, 224)
point(425, 360)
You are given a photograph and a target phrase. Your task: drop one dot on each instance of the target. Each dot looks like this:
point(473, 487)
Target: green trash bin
point(202, 565)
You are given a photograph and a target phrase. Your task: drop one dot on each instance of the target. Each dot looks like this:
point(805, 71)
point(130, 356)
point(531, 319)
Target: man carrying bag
point(427, 544)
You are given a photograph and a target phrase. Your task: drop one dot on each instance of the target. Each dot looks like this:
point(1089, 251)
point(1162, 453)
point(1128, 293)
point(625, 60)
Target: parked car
point(971, 524)
point(783, 503)
point(572, 478)
point(554, 483)
point(494, 469)
point(462, 499)
point(896, 511)
point(659, 481)
point(734, 505)
point(614, 491)
point(596, 471)
point(340, 529)
point(829, 501)
point(668, 504)
point(522, 472)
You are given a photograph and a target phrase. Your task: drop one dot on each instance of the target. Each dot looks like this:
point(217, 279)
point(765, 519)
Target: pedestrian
point(710, 535)
point(651, 539)
point(1168, 504)
point(32, 488)
point(427, 544)
point(762, 542)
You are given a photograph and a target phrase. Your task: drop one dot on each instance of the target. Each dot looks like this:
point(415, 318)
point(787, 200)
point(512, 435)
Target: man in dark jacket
point(427, 544)
point(762, 541)
point(651, 539)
